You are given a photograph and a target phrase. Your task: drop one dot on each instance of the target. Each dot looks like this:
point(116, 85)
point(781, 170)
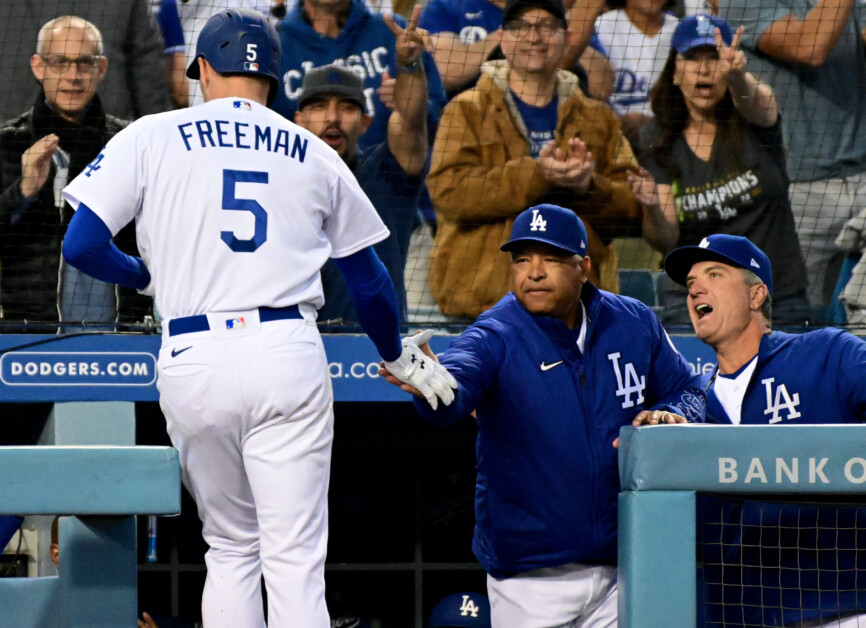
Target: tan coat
point(482, 176)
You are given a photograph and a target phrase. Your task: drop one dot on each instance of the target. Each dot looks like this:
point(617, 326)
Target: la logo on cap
point(538, 222)
point(704, 26)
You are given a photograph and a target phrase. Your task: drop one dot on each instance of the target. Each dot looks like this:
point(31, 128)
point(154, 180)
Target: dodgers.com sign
point(68, 368)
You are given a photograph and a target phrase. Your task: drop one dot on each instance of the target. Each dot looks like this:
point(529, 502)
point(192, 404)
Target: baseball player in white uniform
point(236, 210)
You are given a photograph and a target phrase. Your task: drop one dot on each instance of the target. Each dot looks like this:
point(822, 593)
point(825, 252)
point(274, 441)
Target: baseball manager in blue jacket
point(553, 371)
point(771, 377)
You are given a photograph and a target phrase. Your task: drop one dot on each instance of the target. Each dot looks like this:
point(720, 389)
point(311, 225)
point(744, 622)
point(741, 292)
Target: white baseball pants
point(568, 596)
point(250, 411)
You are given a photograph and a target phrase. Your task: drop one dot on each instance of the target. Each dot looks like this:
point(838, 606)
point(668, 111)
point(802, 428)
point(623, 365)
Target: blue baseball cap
point(461, 610)
point(700, 30)
point(728, 249)
point(550, 224)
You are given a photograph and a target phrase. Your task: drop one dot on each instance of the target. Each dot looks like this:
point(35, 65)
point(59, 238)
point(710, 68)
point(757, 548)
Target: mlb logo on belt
point(235, 323)
point(251, 67)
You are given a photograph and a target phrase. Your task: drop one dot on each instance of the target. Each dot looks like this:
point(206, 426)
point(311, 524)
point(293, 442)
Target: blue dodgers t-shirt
point(540, 123)
point(470, 20)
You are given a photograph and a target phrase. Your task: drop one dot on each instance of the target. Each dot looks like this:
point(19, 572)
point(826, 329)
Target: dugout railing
point(663, 469)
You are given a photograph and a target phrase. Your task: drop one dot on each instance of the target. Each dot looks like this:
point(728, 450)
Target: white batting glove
point(429, 377)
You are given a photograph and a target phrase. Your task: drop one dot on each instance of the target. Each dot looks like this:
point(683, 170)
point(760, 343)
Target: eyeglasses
point(85, 64)
point(545, 28)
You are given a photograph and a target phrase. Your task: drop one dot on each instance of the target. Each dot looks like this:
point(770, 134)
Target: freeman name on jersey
point(226, 134)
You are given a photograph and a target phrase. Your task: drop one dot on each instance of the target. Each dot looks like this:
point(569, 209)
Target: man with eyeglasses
point(40, 151)
point(524, 135)
point(134, 85)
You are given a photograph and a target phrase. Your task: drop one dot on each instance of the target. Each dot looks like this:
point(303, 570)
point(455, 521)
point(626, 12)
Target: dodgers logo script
point(538, 222)
point(781, 401)
point(468, 607)
point(631, 384)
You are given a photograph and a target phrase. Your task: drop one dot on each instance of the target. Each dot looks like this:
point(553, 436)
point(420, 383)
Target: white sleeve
point(112, 184)
point(354, 223)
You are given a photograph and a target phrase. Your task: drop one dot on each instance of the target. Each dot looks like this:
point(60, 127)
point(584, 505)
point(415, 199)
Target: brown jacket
point(482, 177)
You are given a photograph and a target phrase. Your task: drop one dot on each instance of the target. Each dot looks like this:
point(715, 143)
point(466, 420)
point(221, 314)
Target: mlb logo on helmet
point(235, 323)
point(251, 67)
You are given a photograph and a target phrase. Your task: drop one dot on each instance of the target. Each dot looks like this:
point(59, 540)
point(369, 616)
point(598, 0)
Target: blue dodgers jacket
point(791, 563)
point(365, 46)
point(546, 492)
point(817, 377)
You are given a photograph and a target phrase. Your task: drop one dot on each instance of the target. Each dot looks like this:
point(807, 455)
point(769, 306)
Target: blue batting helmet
point(239, 41)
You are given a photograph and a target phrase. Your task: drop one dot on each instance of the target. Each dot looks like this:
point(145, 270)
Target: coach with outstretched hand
point(553, 371)
point(236, 210)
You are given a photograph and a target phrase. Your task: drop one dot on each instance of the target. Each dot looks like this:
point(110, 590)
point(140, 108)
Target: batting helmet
point(239, 41)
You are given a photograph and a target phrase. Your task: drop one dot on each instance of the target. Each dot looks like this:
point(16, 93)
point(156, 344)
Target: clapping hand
point(572, 169)
point(36, 164)
point(644, 187)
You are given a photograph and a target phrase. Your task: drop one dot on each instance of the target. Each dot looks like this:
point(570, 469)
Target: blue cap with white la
point(696, 31)
point(728, 249)
point(549, 224)
point(461, 610)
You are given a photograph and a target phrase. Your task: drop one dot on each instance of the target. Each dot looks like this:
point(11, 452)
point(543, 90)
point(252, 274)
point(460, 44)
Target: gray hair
point(752, 279)
point(68, 21)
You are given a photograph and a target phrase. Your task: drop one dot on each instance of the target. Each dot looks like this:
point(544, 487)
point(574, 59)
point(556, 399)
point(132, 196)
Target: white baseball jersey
point(235, 206)
point(637, 60)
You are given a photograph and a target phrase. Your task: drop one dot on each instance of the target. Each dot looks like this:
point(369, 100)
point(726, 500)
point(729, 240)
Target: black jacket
point(31, 234)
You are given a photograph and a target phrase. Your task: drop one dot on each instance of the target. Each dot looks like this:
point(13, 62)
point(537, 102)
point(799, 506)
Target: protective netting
point(781, 563)
point(631, 91)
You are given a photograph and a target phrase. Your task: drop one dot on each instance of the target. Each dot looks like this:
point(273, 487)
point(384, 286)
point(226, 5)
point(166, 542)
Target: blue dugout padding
point(102, 487)
point(122, 367)
point(663, 467)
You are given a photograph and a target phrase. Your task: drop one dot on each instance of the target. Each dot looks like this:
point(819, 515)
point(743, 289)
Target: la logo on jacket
point(628, 385)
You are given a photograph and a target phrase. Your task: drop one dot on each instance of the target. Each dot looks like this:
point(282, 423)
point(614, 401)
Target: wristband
point(412, 68)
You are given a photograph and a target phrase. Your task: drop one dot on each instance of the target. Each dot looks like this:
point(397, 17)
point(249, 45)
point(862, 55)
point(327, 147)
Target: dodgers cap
point(728, 249)
point(461, 610)
point(513, 8)
point(550, 224)
point(700, 30)
point(331, 79)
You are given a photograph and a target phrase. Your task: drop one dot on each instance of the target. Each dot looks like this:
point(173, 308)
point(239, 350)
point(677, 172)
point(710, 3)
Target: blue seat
point(638, 283)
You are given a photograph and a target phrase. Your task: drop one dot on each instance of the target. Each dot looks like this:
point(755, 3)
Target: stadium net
point(781, 563)
point(443, 253)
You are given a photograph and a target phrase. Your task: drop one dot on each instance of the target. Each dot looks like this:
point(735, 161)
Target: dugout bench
point(662, 468)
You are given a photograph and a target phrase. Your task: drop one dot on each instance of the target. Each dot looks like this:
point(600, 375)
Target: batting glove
point(425, 374)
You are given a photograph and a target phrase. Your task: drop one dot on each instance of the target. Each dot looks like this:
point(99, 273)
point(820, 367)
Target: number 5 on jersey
point(232, 203)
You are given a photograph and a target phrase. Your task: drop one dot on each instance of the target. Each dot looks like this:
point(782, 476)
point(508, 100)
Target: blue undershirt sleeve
point(375, 301)
point(9, 525)
point(88, 247)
